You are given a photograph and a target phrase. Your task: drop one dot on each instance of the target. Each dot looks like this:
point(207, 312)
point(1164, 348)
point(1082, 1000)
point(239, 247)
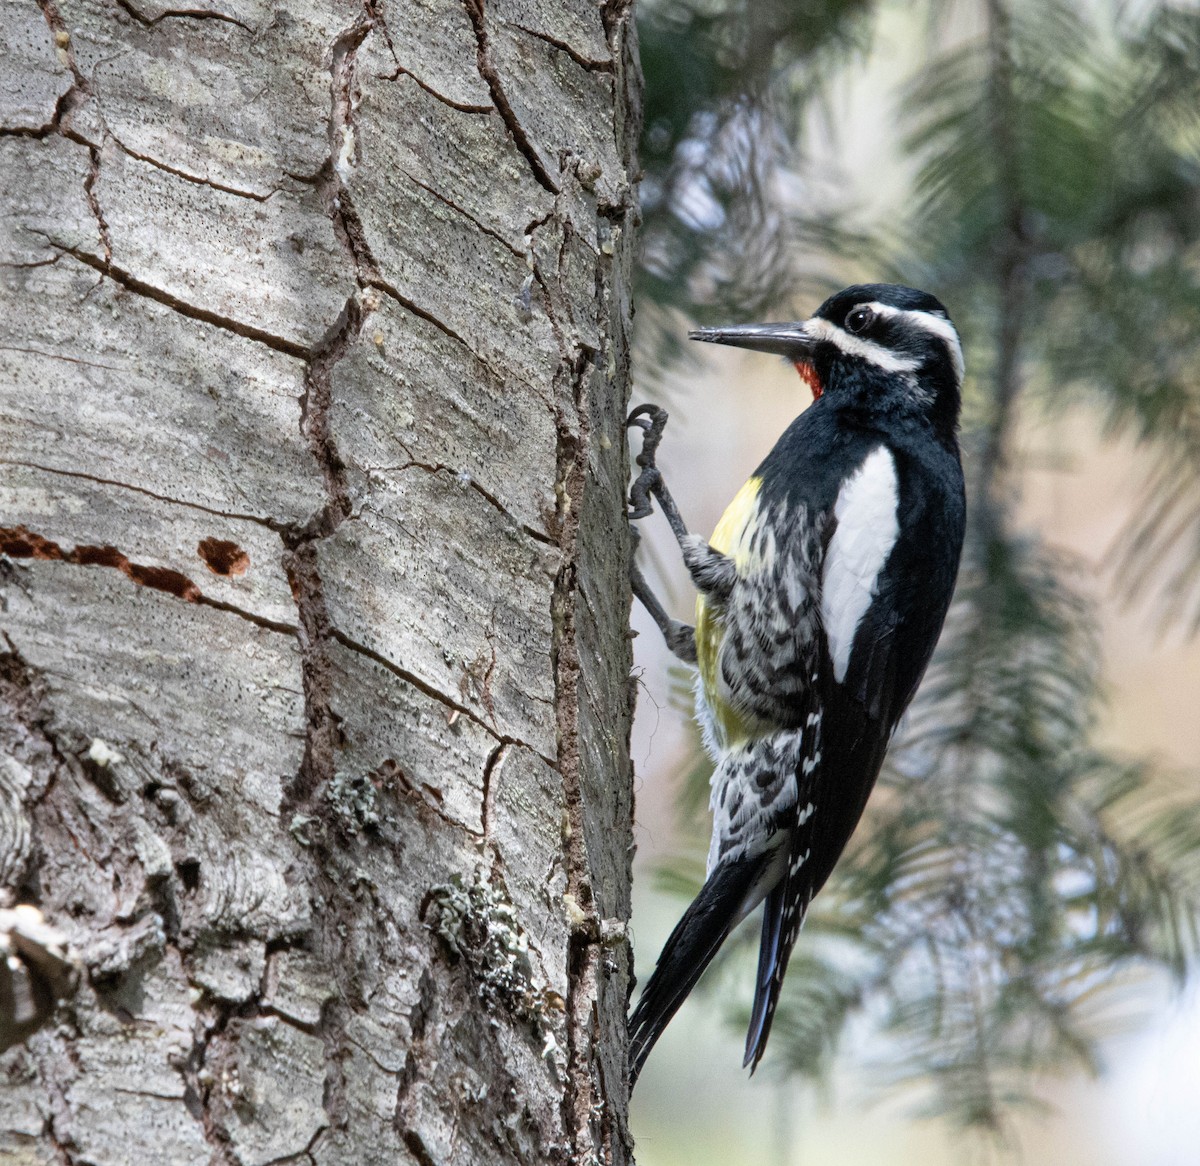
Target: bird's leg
point(650, 419)
point(680, 637)
point(713, 573)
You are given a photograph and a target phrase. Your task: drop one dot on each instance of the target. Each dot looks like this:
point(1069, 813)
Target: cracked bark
point(487, 70)
point(310, 742)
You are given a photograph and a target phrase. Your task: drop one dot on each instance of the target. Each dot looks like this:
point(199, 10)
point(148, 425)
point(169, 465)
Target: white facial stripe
point(939, 326)
point(821, 329)
point(867, 527)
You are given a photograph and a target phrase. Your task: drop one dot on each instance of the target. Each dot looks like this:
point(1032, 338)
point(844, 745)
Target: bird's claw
point(651, 420)
point(640, 492)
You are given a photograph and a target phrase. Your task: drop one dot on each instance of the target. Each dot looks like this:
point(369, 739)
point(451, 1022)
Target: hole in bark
point(189, 873)
point(97, 557)
point(416, 1147)
point(223, 557)
point(164, 579)
point(19, 543)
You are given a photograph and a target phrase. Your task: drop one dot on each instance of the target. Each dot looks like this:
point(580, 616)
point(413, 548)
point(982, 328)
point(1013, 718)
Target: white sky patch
point(867, 527)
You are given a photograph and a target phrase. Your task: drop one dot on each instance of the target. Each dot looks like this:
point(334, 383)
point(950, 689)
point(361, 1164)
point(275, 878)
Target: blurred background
point(1002, 967)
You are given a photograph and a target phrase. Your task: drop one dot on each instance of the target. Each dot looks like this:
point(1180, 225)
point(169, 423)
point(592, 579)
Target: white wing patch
point(867, 526)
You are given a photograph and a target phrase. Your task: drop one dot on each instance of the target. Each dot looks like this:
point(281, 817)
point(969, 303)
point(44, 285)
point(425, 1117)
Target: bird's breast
point(719, 720)
point(755, 651)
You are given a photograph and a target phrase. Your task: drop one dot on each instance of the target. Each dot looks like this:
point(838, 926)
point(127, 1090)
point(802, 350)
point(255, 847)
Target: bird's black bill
point(788, 340)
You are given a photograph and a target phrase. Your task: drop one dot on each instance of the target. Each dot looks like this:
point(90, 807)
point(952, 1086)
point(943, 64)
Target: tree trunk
point(314, 700)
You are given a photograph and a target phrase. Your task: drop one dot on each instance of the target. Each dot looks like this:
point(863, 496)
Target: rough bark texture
point(314, 673)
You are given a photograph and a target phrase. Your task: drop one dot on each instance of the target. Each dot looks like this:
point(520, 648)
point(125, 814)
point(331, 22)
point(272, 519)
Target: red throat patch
point(808, 374)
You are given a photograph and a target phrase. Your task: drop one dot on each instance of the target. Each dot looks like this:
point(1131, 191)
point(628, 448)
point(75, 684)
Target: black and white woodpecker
point(822, 593)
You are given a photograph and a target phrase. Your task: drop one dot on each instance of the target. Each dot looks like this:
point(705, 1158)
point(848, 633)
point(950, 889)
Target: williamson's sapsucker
point(822, 593)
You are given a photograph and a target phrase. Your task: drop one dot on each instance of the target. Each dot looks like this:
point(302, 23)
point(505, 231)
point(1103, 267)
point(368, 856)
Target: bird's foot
point(651, 420)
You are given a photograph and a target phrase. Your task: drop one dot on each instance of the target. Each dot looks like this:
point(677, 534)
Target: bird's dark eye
point(859, 320)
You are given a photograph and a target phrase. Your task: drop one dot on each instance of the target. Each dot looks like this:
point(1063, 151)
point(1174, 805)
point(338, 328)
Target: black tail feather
point(714, 912)
point(783, 915)
point(763, 1011)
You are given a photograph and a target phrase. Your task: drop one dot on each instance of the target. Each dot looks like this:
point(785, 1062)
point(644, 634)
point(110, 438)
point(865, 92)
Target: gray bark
point(314, 678)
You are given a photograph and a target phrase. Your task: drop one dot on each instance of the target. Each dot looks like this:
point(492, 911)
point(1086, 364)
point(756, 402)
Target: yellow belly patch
point(731, 537)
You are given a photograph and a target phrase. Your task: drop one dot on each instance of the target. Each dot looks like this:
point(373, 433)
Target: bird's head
point(874, 347)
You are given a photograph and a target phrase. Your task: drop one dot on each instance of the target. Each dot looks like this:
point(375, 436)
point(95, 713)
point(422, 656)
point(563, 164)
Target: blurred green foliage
point(1010, 876)
point(727, 87)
